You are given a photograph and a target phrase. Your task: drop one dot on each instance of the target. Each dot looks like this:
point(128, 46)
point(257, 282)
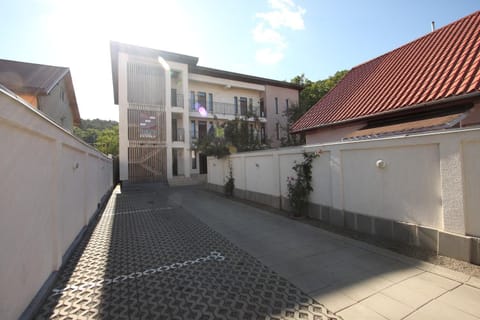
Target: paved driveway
point(186, 253)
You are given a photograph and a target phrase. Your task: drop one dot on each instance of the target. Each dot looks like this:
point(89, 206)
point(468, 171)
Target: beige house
point(48, 89)
point(167, 102)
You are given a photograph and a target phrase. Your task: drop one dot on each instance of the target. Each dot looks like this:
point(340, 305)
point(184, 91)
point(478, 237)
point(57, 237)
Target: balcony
point(229, 109)
point(178, 135)
point(177, 99)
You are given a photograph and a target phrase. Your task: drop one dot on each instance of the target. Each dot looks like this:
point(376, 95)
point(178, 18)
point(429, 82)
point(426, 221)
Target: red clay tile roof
point(439, 65)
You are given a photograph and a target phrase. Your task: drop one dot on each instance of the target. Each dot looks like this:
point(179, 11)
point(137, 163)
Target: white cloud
point(262, 34)
point(269, 55)
point(284, 14)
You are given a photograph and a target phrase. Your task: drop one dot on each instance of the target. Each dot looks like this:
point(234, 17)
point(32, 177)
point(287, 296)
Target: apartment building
point(167, 102)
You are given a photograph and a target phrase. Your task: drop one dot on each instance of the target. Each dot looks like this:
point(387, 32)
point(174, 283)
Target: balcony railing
point(177, 100)
point(178, 135)
point(221, 108)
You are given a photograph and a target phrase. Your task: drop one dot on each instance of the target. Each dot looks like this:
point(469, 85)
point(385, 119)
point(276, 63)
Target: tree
point(312, 92)
point(240, 134)
point(107, 141)
point(102, 134)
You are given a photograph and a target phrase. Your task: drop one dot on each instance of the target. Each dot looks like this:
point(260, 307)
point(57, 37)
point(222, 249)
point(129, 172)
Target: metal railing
point(178, 135)
point(222, 108)
point(177, 100)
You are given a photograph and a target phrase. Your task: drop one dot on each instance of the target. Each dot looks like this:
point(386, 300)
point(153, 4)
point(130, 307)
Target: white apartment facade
point(167, 102)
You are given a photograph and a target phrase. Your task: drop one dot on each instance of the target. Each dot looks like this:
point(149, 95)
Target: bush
point(299, 187)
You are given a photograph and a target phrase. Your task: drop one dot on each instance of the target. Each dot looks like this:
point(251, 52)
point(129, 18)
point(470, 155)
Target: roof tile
point(441, 64)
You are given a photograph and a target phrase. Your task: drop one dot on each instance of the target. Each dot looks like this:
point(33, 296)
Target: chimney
point(433, 26)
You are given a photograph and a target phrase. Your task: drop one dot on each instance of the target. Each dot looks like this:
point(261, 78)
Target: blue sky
point(276, 39)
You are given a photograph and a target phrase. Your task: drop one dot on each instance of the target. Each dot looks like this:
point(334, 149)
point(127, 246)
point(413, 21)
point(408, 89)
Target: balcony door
point(202, 129)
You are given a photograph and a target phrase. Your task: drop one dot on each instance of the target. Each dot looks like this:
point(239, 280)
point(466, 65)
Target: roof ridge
point(419, 38)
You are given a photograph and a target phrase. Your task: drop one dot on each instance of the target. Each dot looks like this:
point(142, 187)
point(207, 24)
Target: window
point(286, 104)
point(276, 105)
point(202, 100)
point(277, 129)
point(262, 133)
point(194, 159)
point(262, 108)
point(192, 100)
point(243, 106)
point(174, 97)
point(250, 105)
point(211, 129)
point(193, 131)
point(210, 102)
point(235, 103)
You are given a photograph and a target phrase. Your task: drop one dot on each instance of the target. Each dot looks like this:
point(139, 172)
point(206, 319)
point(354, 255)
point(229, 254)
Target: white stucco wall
point(325, 135)
point(51, 185)
point(471, 173)
point(407, 189)
point(429, 179)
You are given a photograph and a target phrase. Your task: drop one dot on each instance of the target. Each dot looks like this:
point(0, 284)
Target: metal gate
point(147, 164)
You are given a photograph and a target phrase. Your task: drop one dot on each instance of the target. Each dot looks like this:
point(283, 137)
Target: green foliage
point(312, 92)
point(97, 124)
point(213, 146)
point(299, 187)
point(230, 184)
point(107, 141)
point(241, 134)
point(102, 134)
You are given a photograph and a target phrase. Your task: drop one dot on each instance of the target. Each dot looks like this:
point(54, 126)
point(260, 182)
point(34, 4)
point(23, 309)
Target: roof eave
point(449, 100)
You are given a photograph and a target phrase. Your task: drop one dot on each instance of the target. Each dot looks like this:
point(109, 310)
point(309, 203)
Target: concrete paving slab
point(464, 298)
point(420, 290)
point(430, 279)
point(387, 307)
point(474, 282)
point(365, 287)
point(398, 275)
point(332, 298)
point(360, 312)
point(308, 282)
point(439, 311)
point(410, 296)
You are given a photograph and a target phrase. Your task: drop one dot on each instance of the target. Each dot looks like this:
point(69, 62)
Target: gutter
point(401, 110)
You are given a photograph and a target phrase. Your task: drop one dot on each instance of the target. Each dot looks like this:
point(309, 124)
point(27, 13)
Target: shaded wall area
point(52, 185)
point(417, 189)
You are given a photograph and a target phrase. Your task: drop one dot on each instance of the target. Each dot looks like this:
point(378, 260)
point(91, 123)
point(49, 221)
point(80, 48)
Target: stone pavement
point(149, 258)
point(186, 253)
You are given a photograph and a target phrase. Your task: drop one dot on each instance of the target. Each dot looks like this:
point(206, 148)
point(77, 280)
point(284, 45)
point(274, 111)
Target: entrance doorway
point(203, 163)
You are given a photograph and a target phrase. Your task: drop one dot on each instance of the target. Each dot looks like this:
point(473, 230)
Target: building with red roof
point(432, 83)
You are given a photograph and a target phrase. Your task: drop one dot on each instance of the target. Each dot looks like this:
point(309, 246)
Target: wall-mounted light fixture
point(381, 164)
point(75, 165)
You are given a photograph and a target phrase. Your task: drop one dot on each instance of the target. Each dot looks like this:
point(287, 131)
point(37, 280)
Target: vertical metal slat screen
point(147, 156)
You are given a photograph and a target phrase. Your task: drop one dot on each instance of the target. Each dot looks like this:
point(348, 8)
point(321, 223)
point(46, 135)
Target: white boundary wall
point(51, 184)
point(430, 180)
